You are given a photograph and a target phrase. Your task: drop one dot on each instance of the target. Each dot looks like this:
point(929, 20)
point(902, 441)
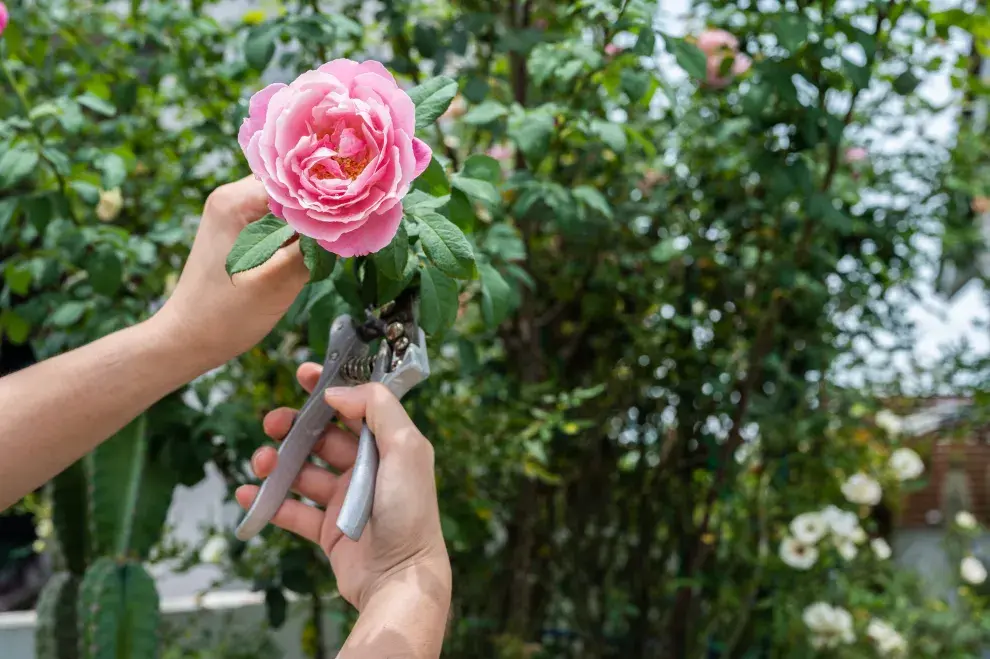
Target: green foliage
point(56, 634)
point(258, 242)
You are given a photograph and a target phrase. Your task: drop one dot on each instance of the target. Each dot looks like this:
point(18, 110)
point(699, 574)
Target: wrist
point(426, 577)
point(178, 344)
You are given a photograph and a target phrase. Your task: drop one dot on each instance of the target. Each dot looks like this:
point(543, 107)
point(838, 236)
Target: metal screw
point(334, 355)
point(394, 331)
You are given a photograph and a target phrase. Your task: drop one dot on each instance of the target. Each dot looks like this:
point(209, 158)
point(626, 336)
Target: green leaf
point(294, 572)
point(461, 211)
point(318, 261)
point(418, 202)
point(689, 57)
point(14, 326)
point(792, 31)
point(257, 243)
point(485, 113)
point(7, 209)
point(433, 180)
point(611, 134)
point(635, 83)
point(259, 48)
point(645, 42)
point(389, 289)
point(15, 164)
point(114, 170)
point(391, 261)
point(496, 295)
point(859, 75)
point(531, 132)
point(437, 300)
point(68, 314)
point(594, 199)
point(906, 83)
point(483, 168)
point(18, 278)
point(106, 272)
point(96, 104)
point(446, 246)
point(88, 192)
point(432, 99)
point(472, 187)
point(58, 160)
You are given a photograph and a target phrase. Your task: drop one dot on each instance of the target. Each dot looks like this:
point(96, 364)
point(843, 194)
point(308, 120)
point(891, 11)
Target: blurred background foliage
point(674, 266)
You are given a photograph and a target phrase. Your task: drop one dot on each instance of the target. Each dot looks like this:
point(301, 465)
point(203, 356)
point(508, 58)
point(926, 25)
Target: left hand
point(222, 316)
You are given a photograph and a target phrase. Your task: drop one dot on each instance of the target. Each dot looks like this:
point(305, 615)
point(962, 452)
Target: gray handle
point(356, 509)
point(309, 425)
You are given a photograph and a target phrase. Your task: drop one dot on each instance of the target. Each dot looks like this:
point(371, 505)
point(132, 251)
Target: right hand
point(403, 541)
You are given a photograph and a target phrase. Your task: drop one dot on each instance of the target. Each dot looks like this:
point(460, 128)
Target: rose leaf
point(437, 300)
point(446, 246)
point(257, 243)
point(432, 99)
point(391, 261)
point(495, 295)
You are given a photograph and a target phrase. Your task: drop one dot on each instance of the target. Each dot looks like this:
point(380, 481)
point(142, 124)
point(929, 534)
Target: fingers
point(336, 446)
point(393, 429)
point(308, 375)
point(294, 516)
point(240, 202)
point(314, 483)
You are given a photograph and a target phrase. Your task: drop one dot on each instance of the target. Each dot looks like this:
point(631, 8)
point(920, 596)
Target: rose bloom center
point(350, 153)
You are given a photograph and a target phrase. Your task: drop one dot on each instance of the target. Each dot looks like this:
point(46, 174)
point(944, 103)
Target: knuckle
point(221, 200)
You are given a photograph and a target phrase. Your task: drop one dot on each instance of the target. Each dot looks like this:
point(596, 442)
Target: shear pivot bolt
point(394, 331)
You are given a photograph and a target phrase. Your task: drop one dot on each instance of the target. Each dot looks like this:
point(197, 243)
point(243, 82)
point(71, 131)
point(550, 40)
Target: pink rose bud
point(612, 50)
point(4, 17)
point(336, 152)
point(501, 152)
point(856, 154)
point(717, 45)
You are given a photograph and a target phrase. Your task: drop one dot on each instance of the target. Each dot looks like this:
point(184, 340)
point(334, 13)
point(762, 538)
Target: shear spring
point(357, 370)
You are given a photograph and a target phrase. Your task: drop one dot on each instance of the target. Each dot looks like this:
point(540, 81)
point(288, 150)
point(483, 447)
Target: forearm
point(54, 412)
point(404, 618)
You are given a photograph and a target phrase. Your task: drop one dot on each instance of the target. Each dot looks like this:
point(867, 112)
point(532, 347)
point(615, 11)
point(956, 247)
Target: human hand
point(221, 316)
point(402, 542)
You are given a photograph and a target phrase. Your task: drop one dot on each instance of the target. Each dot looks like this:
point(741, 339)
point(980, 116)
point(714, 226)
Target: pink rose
point(612, 50)
point(501, 151)
point(4, 17)
point(717, 45)
point(337, 153)
point(856, 154)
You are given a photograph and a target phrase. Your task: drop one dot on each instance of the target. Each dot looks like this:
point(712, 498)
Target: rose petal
point(375, 234)
point(423, 154)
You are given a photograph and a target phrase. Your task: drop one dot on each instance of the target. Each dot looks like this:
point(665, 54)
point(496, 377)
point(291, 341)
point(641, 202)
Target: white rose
point(809, 527)
point(906, 464)
point(880, 548)
point(966, 520)
point(108, 208)
point(847, 548)
point(862, 489)
point(889, 643)
point(798, 555)
point(214, 550)
point(888, 421)
point(844, 524)
point(830, 626)
point(972, 570)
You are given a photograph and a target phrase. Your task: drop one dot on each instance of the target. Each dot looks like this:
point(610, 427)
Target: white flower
point(888, 421)
point(906, 464)
point(830, 626)
point(966, 520)
point(889, 642)
point(214, 550)
point(108, 208)
point(748, 451)
point(973, 570)
point(797, 554)
point(880, 548)
point(847, 548)
point(862, 489)
point(844, 524)
point(809, 528)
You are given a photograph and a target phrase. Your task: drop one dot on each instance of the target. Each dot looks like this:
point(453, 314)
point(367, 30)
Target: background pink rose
point(856, 154)
point(4, 17)
point(336, 152)
point(717, 45)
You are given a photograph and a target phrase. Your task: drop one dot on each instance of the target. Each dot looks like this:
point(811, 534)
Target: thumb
point(394, 430)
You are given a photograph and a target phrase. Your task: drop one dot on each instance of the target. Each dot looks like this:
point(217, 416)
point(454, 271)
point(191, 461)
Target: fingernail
point(335, 392)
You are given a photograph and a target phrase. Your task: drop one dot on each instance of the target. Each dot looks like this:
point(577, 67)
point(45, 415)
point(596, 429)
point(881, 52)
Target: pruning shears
point(400, 363)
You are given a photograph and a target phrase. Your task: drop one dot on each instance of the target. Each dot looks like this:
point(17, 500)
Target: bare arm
point(53, 413)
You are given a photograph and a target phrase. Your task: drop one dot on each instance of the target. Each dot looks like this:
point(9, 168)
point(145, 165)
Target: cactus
point(56, 634)
point(108, 509)
point(118, 612)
